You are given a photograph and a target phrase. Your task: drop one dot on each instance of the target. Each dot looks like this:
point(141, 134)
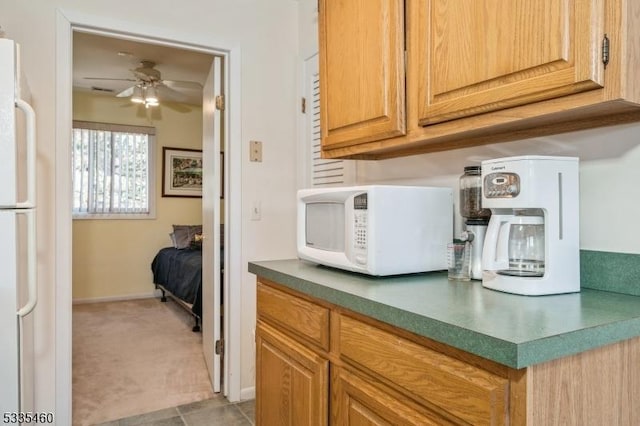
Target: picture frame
point(181, 172)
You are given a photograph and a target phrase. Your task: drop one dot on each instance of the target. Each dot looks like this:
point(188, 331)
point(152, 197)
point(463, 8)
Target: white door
point(211, 299)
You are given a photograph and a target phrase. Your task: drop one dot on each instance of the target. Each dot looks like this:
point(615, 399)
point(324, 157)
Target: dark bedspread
point(180, 272)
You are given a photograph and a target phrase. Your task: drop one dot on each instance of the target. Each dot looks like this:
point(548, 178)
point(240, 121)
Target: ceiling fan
point(149, 87)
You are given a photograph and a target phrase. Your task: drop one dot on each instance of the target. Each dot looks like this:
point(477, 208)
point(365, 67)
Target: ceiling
point(107, 58)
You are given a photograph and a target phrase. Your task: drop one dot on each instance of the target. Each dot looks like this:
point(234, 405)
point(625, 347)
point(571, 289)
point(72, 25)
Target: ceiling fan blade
point(112, 79)
point(170, 94)
point(177, 84)
point(126, 92)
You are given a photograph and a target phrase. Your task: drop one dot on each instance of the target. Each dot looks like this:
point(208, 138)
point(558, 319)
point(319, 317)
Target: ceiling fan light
point(150, 96)
point(136, 97)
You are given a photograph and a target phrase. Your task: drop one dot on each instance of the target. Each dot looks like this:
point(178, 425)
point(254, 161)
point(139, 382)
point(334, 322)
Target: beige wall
point(112, 258)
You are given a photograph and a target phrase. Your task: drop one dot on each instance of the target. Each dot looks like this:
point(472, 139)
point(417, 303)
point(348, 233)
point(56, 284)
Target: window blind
point(111, 169)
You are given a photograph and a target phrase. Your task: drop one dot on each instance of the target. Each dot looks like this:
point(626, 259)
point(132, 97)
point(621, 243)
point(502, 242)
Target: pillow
point(173, 240)
point(181, 236)
point(185, 234)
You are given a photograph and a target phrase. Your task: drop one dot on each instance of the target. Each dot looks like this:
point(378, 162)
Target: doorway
point(222, 208)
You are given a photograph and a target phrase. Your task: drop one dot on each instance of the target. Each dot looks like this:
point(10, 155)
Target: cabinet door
point(291, 381)
point(361, 70)
point(476, 56)
point(357, 402)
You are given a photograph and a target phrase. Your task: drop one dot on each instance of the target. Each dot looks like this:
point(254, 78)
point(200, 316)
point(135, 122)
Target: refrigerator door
point(18, 297)
point(9, 334)
point(27, 300)
point(17, 133)
point(8, 137)
point(18, 285)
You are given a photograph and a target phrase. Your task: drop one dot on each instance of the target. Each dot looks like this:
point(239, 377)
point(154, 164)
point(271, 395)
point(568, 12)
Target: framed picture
point(181, 172)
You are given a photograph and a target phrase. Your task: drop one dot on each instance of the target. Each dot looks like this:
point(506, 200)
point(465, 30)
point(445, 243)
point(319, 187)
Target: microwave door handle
point(32, 282)
point(30, 124)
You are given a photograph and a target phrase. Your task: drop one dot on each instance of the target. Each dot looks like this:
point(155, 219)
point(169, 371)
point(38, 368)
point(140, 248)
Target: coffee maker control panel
point(501, 185)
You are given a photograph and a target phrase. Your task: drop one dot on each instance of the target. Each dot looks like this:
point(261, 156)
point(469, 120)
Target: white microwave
point(376, 229)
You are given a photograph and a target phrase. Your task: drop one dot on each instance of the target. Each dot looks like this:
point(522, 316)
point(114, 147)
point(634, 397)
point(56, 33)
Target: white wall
point(265, 32)
point(609, 178)
point(308, 27)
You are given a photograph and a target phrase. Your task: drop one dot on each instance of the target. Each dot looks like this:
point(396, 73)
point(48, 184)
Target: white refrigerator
point(18, 284)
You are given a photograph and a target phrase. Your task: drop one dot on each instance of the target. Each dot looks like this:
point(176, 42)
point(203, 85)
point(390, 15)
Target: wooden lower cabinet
point(337, 367)
point(291, 381)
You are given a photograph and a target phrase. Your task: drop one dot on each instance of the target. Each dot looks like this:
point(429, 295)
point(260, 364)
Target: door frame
point(66, 22)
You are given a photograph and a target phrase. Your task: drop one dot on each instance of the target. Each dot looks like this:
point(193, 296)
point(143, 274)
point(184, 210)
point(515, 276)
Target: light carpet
point(134, 357)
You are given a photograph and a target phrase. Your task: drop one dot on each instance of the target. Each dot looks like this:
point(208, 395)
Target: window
point(113, 173)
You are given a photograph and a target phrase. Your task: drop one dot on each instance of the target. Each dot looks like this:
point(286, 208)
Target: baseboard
point(155, 293)
point(247, 393)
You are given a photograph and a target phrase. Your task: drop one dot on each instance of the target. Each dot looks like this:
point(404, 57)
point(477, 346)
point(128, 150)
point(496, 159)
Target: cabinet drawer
point(463, 390)
point(307, 320)
point(356, 401)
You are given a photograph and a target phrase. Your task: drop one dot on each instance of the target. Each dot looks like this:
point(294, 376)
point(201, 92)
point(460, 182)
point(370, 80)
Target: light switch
point(255, 151)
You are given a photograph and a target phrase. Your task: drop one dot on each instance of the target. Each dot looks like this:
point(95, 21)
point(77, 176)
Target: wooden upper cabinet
point(362, 90)
point(477, 56)
point(477, 72)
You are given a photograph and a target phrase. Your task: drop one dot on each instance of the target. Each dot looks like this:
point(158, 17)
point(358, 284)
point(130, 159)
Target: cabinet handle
point(605, 51)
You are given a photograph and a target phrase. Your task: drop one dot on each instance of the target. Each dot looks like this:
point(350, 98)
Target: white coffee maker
point(532, 242)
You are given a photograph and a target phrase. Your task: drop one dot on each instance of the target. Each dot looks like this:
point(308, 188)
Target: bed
point(177, 270)
point(178, 274)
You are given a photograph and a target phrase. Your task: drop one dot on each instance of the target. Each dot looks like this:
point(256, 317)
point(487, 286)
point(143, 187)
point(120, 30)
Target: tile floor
point(212, 412)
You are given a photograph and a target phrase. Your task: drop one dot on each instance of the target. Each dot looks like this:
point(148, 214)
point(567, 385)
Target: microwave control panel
point(360, 213)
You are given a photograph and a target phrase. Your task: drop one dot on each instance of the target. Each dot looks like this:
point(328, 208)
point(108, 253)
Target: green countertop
point(516, 331)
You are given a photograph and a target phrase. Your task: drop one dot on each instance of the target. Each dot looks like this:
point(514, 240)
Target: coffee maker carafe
point(531, 245)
